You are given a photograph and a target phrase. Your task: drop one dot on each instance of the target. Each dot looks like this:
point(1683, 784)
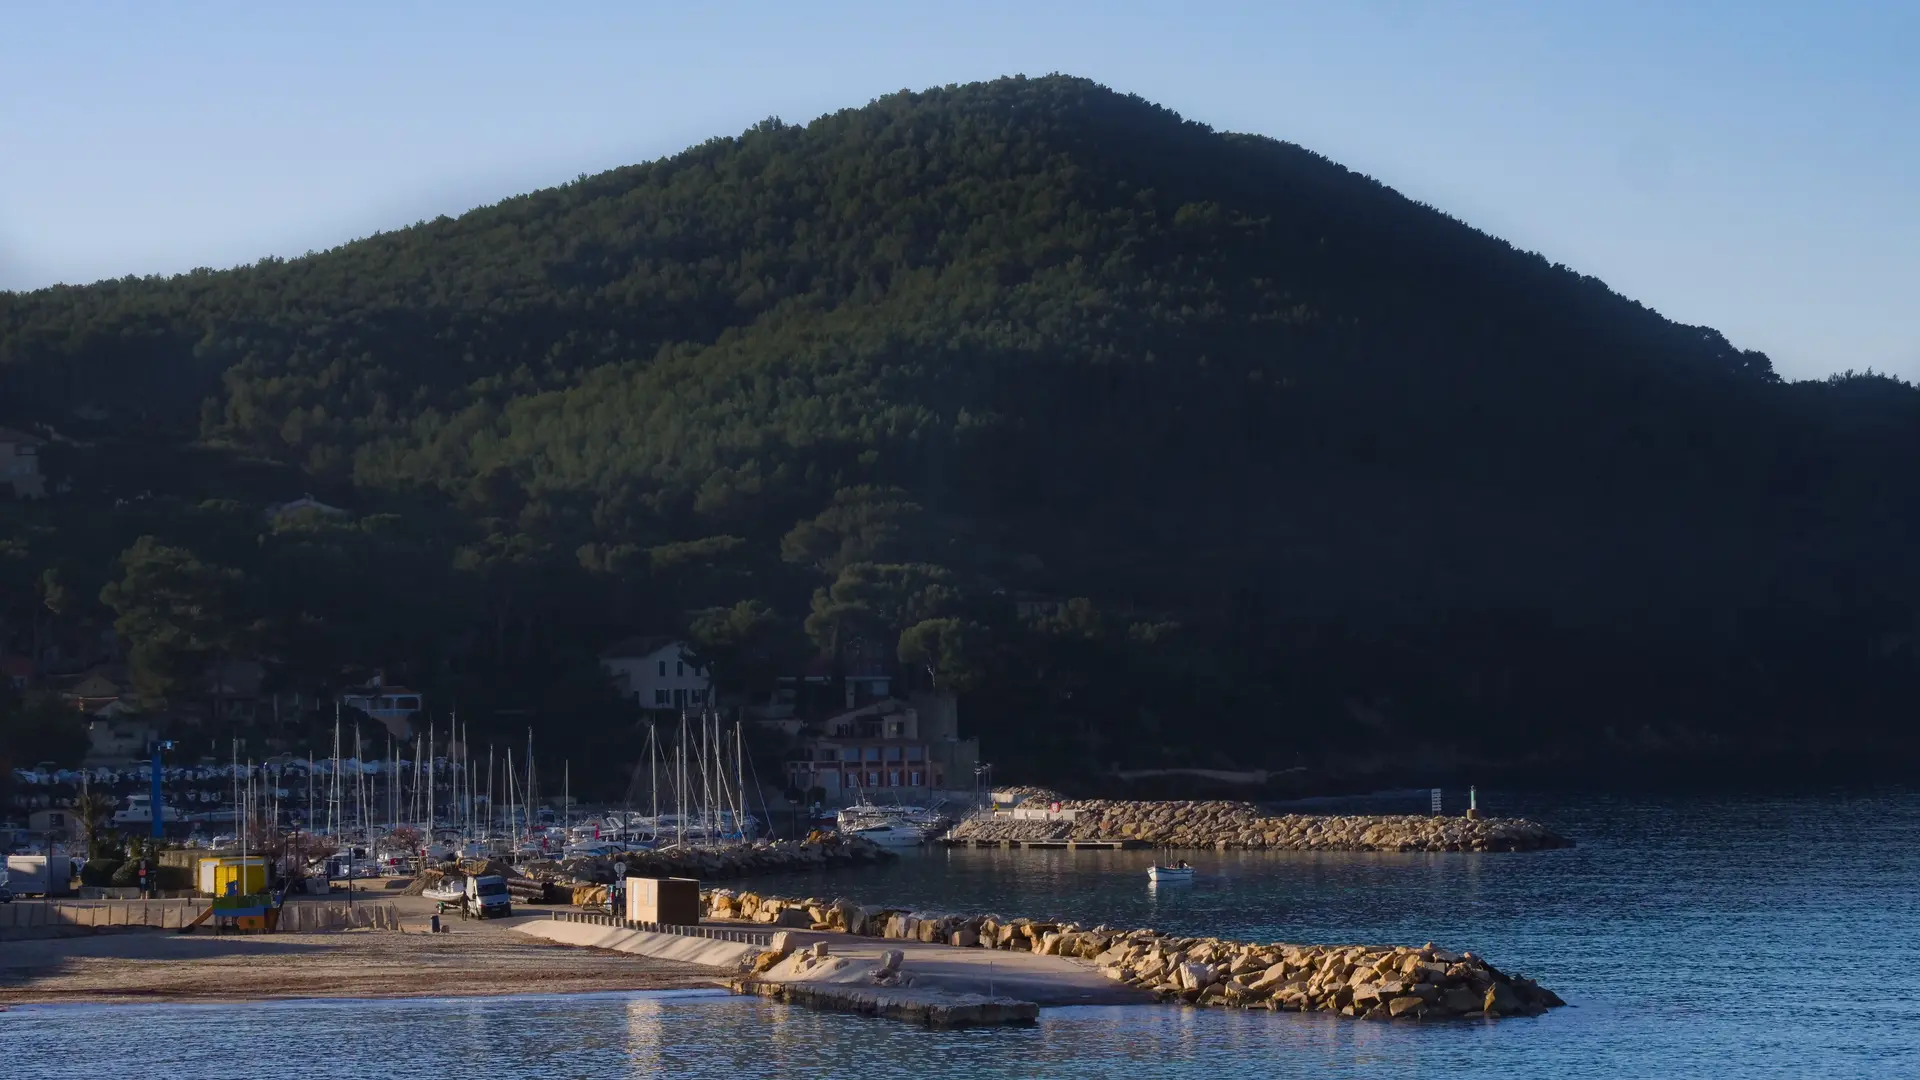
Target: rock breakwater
point(1242, 826)
point(1365, 981)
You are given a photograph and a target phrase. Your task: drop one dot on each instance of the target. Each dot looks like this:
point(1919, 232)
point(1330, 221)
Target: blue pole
point(158, 811)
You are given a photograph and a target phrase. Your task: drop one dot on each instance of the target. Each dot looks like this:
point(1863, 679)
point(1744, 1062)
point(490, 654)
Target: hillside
point(1339, 480)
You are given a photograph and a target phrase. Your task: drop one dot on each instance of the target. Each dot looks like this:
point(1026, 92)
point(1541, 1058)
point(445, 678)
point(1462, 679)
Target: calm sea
point(1709, 937)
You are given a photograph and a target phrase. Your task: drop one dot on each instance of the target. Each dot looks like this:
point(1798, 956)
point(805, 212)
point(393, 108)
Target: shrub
point(99, 873)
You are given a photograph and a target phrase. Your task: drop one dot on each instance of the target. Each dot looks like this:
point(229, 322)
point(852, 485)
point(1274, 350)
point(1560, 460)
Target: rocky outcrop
point(930, 1007)
point(1241, 826)
point(1370, 982)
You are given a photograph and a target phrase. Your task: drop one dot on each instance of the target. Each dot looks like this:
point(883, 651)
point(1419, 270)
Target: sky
point(1751, 166)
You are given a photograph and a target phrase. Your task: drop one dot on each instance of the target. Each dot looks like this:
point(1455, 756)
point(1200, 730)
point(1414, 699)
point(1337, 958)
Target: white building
point(655, 673)
point(394, 706)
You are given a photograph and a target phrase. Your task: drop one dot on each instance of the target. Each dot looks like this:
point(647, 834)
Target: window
point(659, 697)
point(663, 669)
point(916, 754)
point(873, 779)
point(410, 703)
point(851, 754)
point(914, 779)
point(893, 779)
point(873, 753)
point(695, 697)
point(853, 779)
point(679, 668)
point(893, 753)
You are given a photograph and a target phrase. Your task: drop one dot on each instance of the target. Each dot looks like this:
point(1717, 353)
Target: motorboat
point(896, 833)
point(139, 811)
point(1179, 871)
point(865, 813)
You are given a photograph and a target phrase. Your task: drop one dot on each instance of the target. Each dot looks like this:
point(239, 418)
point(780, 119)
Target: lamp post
point(159, 807)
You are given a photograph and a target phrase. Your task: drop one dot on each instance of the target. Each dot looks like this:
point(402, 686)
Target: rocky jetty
point(1241, 826)
point(547, 881)
point(931, 1008)
point(1365, 981)
point(709, 864)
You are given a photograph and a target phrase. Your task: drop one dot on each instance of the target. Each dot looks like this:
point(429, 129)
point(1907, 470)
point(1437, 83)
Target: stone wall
point(1242, 826)
point(1371, 982)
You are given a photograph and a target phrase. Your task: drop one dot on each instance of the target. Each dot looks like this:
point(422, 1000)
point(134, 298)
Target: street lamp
point(159, 807)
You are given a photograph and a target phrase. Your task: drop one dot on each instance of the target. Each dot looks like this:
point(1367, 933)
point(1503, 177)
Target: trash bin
point(436, 924)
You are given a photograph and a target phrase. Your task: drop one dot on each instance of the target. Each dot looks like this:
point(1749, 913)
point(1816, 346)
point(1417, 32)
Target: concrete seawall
point(26, 919)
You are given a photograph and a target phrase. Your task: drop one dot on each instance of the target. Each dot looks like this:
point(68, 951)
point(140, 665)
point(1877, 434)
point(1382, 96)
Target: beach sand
point(473, 958)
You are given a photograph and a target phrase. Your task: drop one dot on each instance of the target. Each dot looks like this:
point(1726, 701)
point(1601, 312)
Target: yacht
point(893, 833)
point(864, 813)
point(139, 811)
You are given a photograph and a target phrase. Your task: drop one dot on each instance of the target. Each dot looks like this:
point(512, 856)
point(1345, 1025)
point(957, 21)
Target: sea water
point(1706, 936)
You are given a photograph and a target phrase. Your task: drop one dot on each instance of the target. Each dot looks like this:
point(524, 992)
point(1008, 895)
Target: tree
point(746, 647)
point(863, 524)
point(176, 612)
point(952, 651)
point(94, 809)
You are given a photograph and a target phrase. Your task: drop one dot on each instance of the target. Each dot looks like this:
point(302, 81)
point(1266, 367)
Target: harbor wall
point(1242, 826)
point(28, 919)
point(1367, 981)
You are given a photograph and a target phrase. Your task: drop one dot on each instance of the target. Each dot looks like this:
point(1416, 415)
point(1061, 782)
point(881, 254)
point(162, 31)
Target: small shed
point(669, 901)
point(247, 875)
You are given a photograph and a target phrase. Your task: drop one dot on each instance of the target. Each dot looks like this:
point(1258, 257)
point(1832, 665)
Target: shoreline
point(473, 959)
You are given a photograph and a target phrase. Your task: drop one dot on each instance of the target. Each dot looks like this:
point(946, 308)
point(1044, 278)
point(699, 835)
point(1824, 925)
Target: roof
point(9, 435)
point(639, 647)
point(304, 502)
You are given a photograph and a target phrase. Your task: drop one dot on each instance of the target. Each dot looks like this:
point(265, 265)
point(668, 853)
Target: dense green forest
point(1328, 477)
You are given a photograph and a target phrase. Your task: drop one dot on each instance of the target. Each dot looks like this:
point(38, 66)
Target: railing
point(711, 933)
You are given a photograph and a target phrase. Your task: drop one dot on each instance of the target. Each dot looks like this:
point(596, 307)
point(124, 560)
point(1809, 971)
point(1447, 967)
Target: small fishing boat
point(1179, 871)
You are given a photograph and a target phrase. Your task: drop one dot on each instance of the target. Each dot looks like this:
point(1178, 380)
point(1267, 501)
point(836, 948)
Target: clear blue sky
point(1754, 166)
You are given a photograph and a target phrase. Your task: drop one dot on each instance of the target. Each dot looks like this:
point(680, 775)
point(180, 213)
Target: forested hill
point(1332, 476)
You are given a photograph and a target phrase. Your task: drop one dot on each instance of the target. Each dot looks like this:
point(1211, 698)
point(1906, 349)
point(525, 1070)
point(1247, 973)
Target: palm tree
point(93, 811)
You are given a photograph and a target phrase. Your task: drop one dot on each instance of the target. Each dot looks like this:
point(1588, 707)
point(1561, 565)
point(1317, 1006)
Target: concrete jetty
point(914, 982)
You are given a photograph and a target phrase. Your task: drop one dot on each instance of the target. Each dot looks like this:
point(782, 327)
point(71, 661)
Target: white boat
point(452, 888)
point(896, 833)
point(1177, 872)
point(139, 811)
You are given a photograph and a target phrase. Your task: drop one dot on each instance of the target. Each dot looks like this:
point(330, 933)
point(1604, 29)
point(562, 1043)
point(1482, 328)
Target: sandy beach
point(473, 958)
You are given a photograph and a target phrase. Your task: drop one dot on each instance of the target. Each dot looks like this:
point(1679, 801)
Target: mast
point(680, 786)
point(739, 781)
point(309, 793)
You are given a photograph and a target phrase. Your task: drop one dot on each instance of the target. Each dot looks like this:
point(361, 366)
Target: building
point(119, 739)
point(891, 746)
point(280, 512)
point(55, 824)
point(20, 464)
point(864, 665)
point(657, 673)
point(101, 686)
point(394, 706)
